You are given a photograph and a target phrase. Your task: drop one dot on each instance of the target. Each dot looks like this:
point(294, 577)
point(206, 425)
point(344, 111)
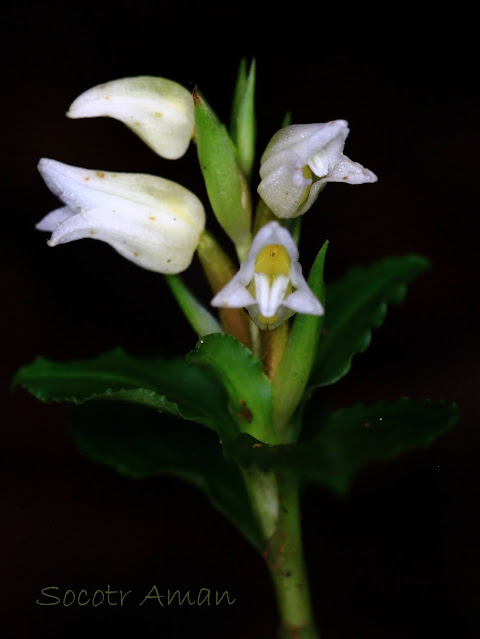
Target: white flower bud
point(270, 284)
point(159, 111)
point(299, 160)
point(151, 221)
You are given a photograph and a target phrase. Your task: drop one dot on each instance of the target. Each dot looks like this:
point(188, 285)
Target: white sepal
point(271, 295)
point(159, 111)
point(299, 160)
point(153, 222)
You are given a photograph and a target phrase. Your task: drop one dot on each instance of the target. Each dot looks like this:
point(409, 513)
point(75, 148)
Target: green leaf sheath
point(294, 370)
point(221, 175)
point(355, 305)
point(350, 438)
point(248, 388)
point(166, 385)
point(138, 443)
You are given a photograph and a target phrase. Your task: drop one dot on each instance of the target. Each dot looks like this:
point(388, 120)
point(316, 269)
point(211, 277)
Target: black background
point(399, 557)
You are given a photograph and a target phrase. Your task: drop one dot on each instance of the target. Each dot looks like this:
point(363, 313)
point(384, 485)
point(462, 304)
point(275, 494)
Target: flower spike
point(270, 284)
point(299, 160)
point(153, 222)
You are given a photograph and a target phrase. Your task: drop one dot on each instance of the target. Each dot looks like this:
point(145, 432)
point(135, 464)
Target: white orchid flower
point(159, 111)
point(299, 160)
point(151, 221)
point(270, 284)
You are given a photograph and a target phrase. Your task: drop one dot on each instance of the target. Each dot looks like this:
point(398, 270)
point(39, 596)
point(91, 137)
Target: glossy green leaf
point(350, 438)
point(242, 126)
point(248, 388)
point(294, 370)
point(165, 385)
point(139, 443)
point(221, 175)
point(355, 305)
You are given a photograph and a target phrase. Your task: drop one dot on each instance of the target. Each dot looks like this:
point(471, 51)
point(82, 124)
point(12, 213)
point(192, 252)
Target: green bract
point(222, 175)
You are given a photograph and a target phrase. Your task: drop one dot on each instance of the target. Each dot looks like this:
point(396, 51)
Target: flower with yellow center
point(270, 284)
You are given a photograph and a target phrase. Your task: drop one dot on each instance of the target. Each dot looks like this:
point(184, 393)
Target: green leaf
point(355, 305)
point(350, 438)
point(248, 388)
point(294, 370)
point(139, 443)
point(221, 175)
point(242, 126)
point(166, 385)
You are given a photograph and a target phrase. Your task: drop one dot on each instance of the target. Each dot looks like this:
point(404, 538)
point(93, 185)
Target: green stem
point(275, 500)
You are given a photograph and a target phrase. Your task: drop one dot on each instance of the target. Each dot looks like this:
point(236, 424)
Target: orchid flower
point(159, 111)
point(153, 222)
point(299, 160)
point(270, 284)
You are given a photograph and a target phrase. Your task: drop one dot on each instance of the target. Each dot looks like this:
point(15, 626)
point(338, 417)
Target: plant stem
point(275, 499)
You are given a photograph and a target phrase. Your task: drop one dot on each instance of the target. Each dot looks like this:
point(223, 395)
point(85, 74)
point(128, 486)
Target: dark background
point(400, 556)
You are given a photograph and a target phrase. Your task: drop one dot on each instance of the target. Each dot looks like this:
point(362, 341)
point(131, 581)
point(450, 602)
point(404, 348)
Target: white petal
point(283, 186)
point(273, 233)
point(54, 219)
point(151, 221)
point(351, 172)
point(315, 190)
point(334, 149)
point(319, 163)
point(270, 298)
point(233, 295)
point(304, 301)
point(129, 234)
point(305, 139)
point(85, 189)
point(159, 111)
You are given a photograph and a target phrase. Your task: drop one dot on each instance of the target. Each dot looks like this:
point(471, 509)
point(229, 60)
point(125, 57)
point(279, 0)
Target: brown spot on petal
point(100, 174)
point(136, 123)
point(152, 217)
point(92, 232)
point(86, 178)
point(102, 86)
point(158, 114)
point(345, 177)
point(107, 97)
point(135, 253)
